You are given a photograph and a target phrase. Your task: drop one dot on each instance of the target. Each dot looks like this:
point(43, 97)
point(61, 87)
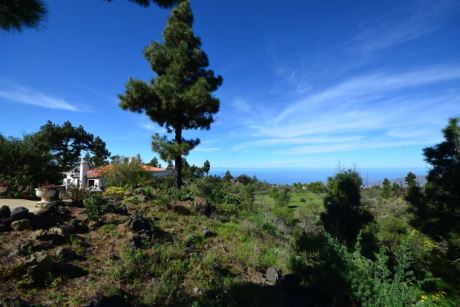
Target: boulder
point(5, 212)
point(21, 225)
point(69, 270)
point(14, 302)
point(27, 247)
point(38, 266)
point(19, 213)
point(73, 227)
point(272, 276)
point(66, 254)
point(55, 235)
point(5, 224)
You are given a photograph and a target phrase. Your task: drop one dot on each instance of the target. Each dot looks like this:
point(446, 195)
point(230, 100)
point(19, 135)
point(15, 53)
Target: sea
point(371, 176)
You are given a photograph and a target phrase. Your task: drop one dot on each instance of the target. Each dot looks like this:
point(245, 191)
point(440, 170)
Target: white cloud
point(425, 17)
point(241, 105)
point(378, 110)
point(23, 95)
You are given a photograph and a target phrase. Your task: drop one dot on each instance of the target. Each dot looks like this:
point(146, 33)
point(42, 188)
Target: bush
point(377, 283)
point(95, 206)
point(115, 193)
point(127, 174)
point(75, 193)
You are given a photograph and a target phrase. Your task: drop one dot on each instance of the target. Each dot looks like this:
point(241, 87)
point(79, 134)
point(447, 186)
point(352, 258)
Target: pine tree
point(179, 98)
point(439, 212)
point(15, 15)
point(345, 216)
point(386, 188)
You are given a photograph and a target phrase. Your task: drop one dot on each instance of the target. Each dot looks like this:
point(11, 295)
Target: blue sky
point(308, 84)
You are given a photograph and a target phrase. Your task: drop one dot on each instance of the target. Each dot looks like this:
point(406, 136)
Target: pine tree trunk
point(178, 160)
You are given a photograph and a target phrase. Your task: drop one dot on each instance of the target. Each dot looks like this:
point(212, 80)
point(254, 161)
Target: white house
point(83, 175)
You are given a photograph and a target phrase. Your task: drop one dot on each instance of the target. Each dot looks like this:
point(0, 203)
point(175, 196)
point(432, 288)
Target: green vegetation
point(193, 239)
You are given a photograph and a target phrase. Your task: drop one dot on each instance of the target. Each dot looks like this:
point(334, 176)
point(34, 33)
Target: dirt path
point(14, 203)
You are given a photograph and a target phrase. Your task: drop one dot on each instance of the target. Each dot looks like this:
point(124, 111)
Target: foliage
point(25, 166)
point(377, 282)
point(114, 192)
point(75, 193)
point(179, 98)
point(386, 188)
point(15, 15)
point(95, 206)
point(437, 209)
point(317, 187)
point(345, 215)
point(67, 142)
point(281, 197)
point(126, 174)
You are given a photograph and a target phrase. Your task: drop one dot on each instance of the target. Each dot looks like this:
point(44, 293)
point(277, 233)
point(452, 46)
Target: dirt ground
point(14, 203)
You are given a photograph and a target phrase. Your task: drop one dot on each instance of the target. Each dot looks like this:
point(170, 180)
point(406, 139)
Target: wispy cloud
point(24, 95)
point(150, 127)
point(241, 105)
point(376, 110)
point(425, 17)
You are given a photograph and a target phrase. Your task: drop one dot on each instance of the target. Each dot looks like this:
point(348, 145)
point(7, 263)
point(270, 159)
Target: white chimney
point(83, 172)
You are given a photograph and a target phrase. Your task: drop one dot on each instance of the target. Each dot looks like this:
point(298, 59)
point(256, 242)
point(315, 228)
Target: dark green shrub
point(345, 216)
point(95, 206)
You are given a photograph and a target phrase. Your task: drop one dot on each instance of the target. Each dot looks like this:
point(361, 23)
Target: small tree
point(179, 98)
point(228, 176)
point(386, 188)
point(206, 167)
point(344, 216)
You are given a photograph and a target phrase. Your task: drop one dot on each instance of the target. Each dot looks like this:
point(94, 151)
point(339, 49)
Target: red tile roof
point(100, 171)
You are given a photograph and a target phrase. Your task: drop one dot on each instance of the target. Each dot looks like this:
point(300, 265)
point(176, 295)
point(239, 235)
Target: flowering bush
point(114, 192)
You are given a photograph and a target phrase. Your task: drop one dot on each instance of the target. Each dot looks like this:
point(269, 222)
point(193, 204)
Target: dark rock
point(5, 224)
point(14, 302)
point(55, 235)
point(136, 223)
point(19, 213)
point(66, 254)
point(272, 275)
point(289, 282)
point(74, 226)
point(140, 240)
point(117, 300)
point(26, 248)
point(21, 225)
point(5, 212)
point(207, 233)
point(68, 270)
point(38, 265)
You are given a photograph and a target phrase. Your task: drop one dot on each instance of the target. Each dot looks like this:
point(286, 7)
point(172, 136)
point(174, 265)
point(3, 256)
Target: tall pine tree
point(180, 97)
point(437, 210)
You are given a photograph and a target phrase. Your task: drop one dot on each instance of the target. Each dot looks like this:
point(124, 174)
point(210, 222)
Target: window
point(91, 182)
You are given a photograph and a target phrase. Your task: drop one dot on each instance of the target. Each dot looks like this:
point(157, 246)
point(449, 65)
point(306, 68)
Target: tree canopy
point(16, 15)
point(66, 143)
point(179, 98)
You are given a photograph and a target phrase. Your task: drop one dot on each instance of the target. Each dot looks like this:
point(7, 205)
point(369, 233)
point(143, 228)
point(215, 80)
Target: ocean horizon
point(306, 175)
